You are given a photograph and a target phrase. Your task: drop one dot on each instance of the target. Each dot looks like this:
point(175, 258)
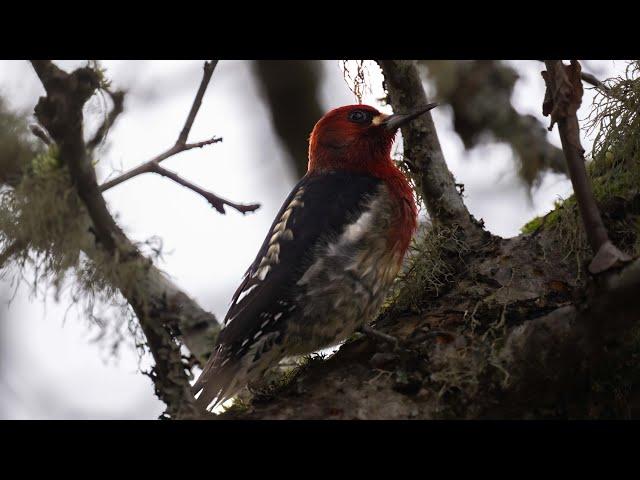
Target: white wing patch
point(272, 256)
point(246, 292)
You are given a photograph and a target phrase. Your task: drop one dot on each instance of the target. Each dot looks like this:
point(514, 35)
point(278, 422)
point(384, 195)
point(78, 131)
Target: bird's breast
point(351, 272)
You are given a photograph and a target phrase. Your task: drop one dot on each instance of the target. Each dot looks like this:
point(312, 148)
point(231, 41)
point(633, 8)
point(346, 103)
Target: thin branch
point(118, 106)
point(208, 68)
point(181, 144)
point(216, 202)
point(592, 80)
point(147, 167)
point(562, 100)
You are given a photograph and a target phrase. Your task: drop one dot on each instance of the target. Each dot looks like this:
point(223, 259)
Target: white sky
point(49, 368)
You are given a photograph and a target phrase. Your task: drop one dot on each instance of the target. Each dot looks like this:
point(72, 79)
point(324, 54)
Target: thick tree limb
point(159, 306)
point(562, 100)
point(422, 149)
point(559, 350)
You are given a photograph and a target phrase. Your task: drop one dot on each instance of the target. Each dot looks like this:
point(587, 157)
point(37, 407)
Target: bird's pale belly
point(347, 283)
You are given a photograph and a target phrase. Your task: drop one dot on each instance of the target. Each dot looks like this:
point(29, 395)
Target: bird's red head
point(356, 138)
point(350, 138)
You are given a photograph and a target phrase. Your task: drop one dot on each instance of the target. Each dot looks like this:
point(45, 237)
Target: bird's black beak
point(395, 121)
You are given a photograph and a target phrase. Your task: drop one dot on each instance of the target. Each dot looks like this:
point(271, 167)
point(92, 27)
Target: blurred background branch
point(479, 93)
point(291, 92)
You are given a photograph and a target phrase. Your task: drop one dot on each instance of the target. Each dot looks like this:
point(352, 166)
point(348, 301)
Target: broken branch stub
point(563, 97)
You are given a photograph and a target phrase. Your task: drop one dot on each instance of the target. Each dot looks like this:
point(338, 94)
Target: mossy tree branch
point(161, 308)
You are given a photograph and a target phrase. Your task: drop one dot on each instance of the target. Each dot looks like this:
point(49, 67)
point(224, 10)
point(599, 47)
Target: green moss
point(532, 225)
point(46, 242)
point(45, 162)
point(428, 269)
point(279, 378)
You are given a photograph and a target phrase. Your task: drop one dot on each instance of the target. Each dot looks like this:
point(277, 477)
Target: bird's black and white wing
point(316, 211)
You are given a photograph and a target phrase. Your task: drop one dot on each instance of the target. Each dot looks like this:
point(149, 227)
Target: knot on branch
point(66, 95)
point(563, 95)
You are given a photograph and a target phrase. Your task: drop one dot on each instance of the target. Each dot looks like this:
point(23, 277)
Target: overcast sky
point(49, 368)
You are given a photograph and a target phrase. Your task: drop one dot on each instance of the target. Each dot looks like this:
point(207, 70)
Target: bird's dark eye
point(359, 116)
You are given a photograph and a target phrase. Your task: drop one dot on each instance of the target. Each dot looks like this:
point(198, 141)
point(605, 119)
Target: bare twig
point(592, 80)
point(181, 144)
point(208, 68)
point(562, 100)
point(216, 202)
point(147, 167)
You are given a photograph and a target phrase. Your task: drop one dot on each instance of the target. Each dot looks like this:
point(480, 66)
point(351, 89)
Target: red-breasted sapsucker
point(329, 258)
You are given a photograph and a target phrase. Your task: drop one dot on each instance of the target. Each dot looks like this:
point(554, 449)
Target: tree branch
point(147, 167)
point(422, 149)
point(118, 106)
point(181, 144)
point(163, 310)
point(561, 349)
point(216, 202)
point(562, 100)
point(592, 80)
